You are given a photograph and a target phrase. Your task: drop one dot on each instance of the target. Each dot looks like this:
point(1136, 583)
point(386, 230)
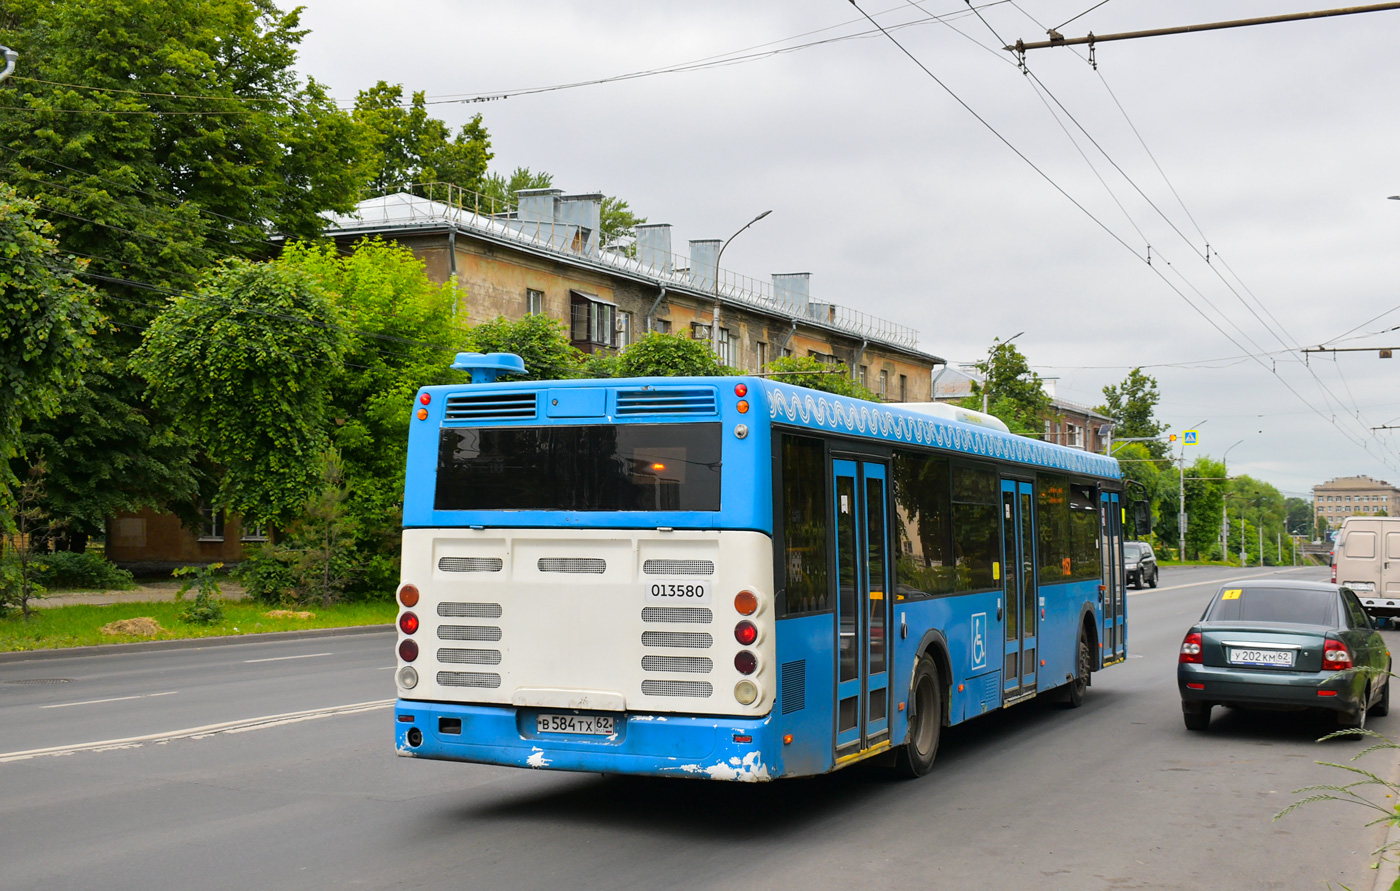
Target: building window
point(624, 329)
point(903, 388)
point(253, 532)
point(787, 353)
point(661, 326)
point(534, 301)
point(884, 385)
point(862, 376)
point(699, 331)
point(762, 355)
point(211, 523)
point(724, 346)
point(1072, 435)
point(593, 322)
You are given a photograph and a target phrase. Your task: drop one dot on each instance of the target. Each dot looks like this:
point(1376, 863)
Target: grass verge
point(80, 625)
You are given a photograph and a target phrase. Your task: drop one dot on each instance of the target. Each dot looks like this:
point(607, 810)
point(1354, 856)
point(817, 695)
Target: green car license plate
point(1251, 656)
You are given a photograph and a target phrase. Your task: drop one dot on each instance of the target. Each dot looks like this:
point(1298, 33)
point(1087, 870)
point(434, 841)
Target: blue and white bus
point(735, 578)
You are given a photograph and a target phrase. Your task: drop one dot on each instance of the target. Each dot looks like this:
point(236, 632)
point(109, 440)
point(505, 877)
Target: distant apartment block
point(1351, 496)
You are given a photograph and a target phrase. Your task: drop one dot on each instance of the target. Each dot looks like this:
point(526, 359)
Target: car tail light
point(1191, 648)
point(408, 650)
point(1335, 655)
point(408, 623)
point(746, 633)
point(1334, 573)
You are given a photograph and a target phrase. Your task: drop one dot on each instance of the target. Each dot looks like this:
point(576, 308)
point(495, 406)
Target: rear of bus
point(587, 578)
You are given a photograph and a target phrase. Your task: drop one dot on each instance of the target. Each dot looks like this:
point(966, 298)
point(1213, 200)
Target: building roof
point(571, 241)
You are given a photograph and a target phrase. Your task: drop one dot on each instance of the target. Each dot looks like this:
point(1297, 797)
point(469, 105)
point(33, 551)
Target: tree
point(47, 321)
point(402, 333)
point(670, 355)
point(410, 146)
point(808, 371)
point(501, 190)
point(543, 343)
point(1132, 404)
point(1205, 499)
point(618, 223)
point(1300, 516)
point(186, 136)
point(246, 366)
point(324, 538)
point(1015, 394)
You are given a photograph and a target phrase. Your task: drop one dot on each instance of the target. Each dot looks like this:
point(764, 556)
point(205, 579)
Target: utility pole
point(1244, 558)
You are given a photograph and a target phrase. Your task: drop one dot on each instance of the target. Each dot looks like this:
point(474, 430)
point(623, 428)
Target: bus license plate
point(676, 592)
point(592, 725)
point(1282, 658)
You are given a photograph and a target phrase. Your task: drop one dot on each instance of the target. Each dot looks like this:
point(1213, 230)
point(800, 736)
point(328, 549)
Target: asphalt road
point(270, 765)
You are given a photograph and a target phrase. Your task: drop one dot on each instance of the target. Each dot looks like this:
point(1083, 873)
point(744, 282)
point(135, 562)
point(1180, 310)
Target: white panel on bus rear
point(608, 620)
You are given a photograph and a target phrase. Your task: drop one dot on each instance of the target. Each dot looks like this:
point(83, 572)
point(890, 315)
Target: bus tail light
point(408, 595)
point(746, 692)
point(746, 633)
point(408, 623)
point(746, 603)
point(1191, 648)
point(745, 662)
point(408, 679)
point(408, 650)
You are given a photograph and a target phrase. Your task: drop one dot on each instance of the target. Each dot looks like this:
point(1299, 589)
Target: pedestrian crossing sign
point(1189, 436)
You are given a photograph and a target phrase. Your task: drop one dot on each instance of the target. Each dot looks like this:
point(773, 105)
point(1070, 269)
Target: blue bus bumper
point(738, 749)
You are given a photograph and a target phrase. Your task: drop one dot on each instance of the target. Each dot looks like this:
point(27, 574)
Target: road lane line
point(1221, 580)
point(284, 658)
point(198, 732)
point(113, 699)
point(91, 702)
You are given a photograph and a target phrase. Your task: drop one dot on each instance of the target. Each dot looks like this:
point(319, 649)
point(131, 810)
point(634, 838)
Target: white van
point(1367, 560)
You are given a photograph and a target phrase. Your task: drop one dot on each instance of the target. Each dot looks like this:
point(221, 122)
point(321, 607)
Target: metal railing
point(435, 202)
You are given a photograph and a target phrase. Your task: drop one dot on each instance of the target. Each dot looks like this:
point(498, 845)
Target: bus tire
point(915, 757)
point(1083, 665)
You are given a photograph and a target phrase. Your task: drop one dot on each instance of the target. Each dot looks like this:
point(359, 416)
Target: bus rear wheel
point(1083, 664)
point(925, 721)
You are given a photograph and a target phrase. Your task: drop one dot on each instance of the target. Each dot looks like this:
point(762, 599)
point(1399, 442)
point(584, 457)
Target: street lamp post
point(1225, 508)
point(987, 384)
point(1181, 495)
point(11, 57)
point(714, 320)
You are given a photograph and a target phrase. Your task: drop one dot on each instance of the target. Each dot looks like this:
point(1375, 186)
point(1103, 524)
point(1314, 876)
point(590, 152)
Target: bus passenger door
point(862, 607)
point(1112, 596)
point(1019, 588)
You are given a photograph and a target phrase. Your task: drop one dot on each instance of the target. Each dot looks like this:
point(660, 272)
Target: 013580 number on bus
point(676, 592)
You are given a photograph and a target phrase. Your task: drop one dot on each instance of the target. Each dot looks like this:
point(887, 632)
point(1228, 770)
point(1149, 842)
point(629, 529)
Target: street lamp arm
point(714, 319)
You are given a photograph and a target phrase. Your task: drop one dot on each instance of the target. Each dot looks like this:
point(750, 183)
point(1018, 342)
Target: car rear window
point(1131, 551)
point(1297, 605)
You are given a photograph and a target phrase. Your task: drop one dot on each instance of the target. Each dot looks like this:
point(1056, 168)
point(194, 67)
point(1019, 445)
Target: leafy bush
point(670, 355)
point(66, 569)
point(207, 607)
point(808, 371)
point(268, 574)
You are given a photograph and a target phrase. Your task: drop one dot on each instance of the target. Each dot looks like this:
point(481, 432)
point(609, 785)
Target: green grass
point(79, 625)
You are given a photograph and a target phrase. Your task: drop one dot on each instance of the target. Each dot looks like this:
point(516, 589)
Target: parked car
point(1140, 564)
point(1274, 644)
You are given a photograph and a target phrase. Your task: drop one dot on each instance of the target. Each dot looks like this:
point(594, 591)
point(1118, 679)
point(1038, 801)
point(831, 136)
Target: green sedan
point(1284, 645)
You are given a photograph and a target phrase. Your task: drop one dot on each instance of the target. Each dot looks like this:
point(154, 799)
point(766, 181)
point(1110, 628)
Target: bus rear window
point(641, 467)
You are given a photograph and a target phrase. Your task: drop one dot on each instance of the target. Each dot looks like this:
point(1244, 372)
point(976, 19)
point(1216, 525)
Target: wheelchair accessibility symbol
point(979, 640)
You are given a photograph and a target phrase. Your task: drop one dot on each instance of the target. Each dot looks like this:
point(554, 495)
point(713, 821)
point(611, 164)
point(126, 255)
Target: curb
point(190, 643)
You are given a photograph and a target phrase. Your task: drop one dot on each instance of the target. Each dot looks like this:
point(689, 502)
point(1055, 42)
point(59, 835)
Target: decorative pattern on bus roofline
point(835, 413)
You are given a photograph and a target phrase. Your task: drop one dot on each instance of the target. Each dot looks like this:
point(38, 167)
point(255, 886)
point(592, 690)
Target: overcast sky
point(1280, 141)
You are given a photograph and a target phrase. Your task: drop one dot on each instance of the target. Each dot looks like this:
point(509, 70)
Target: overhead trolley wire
point(1348, 434)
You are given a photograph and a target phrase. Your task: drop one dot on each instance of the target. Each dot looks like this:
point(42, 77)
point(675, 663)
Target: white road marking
point(207, 730)
point(113, 699)
point(1221, 580)
point(284, 658)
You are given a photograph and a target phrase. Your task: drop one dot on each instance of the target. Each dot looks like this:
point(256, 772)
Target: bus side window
point(924, 556)
point(804, 525)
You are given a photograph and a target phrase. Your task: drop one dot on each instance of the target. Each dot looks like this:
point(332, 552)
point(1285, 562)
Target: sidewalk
point(146, 592)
